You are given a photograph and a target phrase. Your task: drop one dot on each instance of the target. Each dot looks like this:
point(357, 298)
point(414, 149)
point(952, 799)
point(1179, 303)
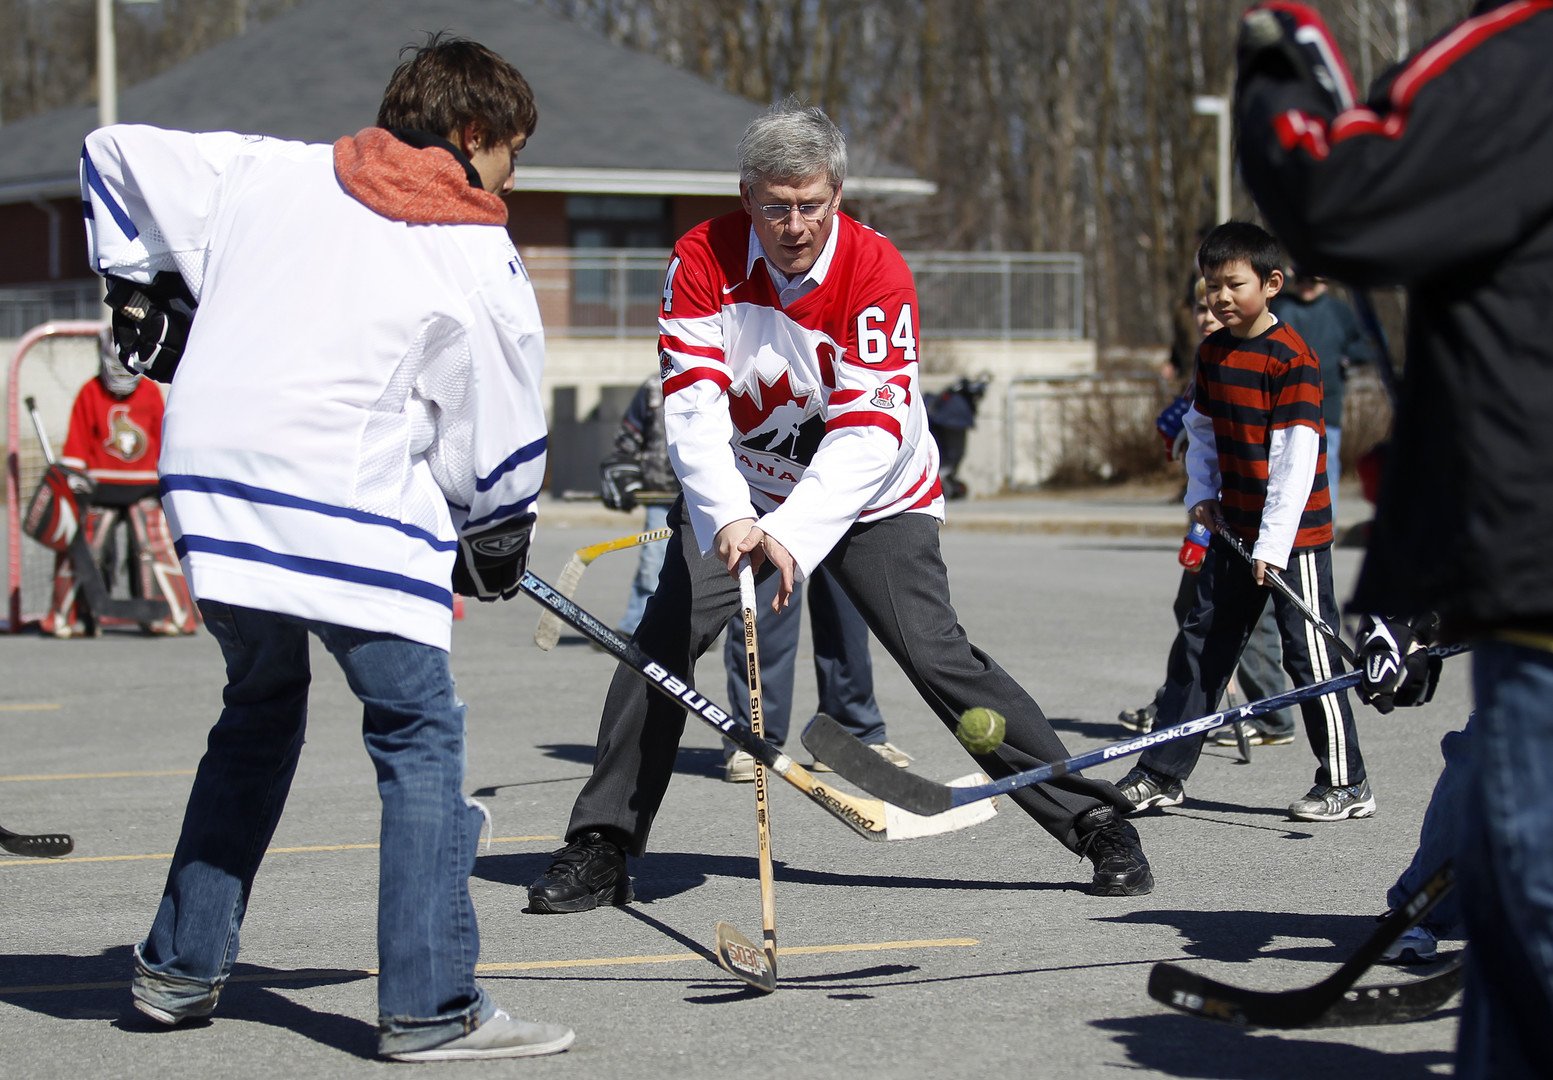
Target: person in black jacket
point(1440, 183)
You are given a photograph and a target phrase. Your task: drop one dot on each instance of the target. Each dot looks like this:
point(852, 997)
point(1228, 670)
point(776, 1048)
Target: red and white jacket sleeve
point(696, 377)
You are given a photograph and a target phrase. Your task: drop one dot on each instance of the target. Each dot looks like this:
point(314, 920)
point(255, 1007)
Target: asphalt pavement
point(974, 954)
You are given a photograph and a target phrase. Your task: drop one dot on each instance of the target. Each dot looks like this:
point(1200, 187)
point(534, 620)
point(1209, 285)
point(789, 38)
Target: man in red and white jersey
point(788, 351)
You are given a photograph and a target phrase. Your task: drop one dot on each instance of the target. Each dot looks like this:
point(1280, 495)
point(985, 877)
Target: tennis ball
point(981, 730)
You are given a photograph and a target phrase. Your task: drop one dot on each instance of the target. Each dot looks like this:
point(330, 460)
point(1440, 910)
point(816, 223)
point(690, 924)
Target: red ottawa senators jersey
point(116, 440)
point(818, 400)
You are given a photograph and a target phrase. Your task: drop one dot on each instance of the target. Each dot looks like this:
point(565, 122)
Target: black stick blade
point(1396, 1004)
point(829, 742)
point(741, 959)
point(42, 846)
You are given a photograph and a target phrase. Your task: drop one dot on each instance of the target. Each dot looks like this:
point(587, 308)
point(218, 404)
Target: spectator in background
point(1331, 329)
point(638, 467)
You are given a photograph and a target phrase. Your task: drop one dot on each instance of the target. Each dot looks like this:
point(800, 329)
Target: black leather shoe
point(1111, 843)
point(589, 870)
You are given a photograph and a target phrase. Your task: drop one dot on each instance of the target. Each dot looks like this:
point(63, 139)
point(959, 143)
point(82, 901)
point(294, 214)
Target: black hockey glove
point(151, 323)
point(491, 559)
point(1290, 42)
point(619, 481)
point(1396, 669)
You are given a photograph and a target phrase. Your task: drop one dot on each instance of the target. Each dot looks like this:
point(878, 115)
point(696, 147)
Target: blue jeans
point(413, 726)
point(649, 563)
point(1439, 836)
point(1505, 867)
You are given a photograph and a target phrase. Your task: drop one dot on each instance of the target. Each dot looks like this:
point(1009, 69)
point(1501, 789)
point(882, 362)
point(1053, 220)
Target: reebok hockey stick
point(40, 845)
point(548, 632)
point(840, 749)
point(869, 818)
point(1180, 989)
point(1276, 579)
point(733, 947)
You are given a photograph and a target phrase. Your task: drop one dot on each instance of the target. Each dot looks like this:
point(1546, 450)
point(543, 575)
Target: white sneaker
point(1415, 945)
point(499, 1037)
point(740, 768)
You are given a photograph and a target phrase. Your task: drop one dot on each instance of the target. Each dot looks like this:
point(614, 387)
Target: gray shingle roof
point(317, 72)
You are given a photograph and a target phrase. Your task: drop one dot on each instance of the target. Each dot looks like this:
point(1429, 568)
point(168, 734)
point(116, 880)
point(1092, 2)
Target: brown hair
point(450, 82)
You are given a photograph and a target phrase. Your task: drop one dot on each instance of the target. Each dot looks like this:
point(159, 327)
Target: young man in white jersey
point(329, 468)
point(791, 309)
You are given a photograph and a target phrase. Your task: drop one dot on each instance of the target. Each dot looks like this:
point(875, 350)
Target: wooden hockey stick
point(760, 976)
point(548, 632)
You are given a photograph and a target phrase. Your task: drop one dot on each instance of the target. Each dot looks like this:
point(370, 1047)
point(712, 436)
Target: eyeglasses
point(778, 213)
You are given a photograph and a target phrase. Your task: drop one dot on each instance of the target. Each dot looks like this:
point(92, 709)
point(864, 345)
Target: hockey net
point(49, 364)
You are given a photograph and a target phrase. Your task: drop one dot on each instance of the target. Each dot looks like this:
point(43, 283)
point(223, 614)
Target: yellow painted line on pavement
point(343, 974)
point(30, 706)
point(165, 856)
point(782, 950)
point(34, 777)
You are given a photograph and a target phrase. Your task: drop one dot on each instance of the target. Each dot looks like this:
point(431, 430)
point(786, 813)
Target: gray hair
point(792, 142)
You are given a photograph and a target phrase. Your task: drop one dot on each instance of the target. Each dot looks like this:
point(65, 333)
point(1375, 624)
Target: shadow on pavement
point(662, 874)
point(1186, 1047)
point(1242, 936)
point(97, 988)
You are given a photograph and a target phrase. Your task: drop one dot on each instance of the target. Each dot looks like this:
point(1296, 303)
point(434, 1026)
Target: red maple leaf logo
point(752, 408)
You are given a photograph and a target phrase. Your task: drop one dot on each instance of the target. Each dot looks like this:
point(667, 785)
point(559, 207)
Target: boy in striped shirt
point(1256, 469)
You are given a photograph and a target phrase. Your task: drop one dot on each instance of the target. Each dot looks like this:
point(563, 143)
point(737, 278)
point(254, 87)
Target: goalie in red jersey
point(115, 437)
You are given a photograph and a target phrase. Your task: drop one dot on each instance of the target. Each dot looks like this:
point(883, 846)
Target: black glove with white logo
point(491, 559)
point(1397, 669)
point(619, 481)
point(151, 323)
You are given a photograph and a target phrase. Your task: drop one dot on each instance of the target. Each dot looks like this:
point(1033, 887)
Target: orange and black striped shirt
point(1251, 388)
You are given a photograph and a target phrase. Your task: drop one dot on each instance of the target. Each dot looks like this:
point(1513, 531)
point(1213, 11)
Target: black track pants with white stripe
point(1227, 606)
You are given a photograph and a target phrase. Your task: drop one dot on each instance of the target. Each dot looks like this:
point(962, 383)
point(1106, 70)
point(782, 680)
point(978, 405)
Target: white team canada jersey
point(819, 399)
point(360, 384)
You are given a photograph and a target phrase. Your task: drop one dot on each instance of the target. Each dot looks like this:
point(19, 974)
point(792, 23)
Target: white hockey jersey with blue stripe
point(357, 387)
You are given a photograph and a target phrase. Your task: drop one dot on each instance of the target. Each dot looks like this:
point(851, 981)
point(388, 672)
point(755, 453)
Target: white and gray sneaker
point(1326, 803)
point(499, 1037)
point(1415, 945)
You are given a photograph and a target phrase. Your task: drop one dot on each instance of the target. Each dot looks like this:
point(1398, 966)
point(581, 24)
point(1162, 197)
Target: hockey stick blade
point(869, 818)
point(548, 632)
point(741, 959)
point(1212, 1000)
point(841, 750)
point(39, 846)
point(1397, 1003)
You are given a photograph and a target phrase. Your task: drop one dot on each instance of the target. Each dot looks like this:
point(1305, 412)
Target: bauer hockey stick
point(1310, 1005)
point(840, 749)
point(37, 845)
point(869, 818)
point(733, 948)
point(548, 632)
point(1276, 579)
